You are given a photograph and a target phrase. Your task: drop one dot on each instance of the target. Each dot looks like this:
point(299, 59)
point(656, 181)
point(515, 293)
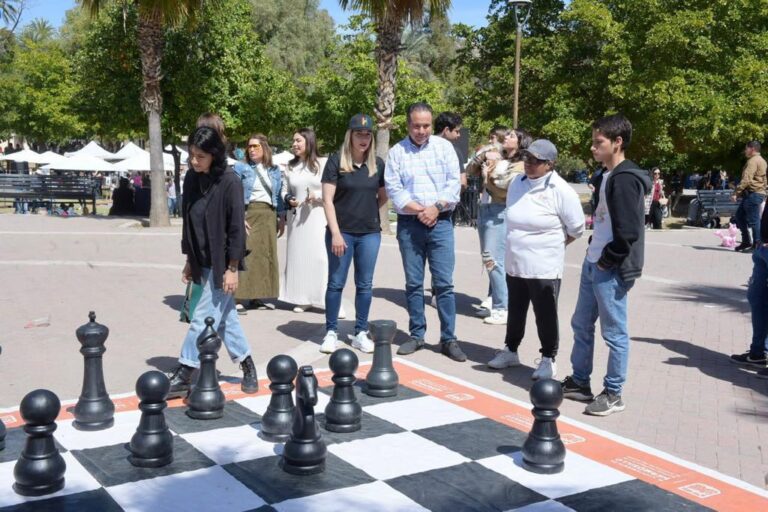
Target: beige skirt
point(260, 279)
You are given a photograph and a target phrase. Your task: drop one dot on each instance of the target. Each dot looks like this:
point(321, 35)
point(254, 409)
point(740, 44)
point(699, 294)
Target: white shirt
point(540, 214)
point(258, 193)
point(603, 228)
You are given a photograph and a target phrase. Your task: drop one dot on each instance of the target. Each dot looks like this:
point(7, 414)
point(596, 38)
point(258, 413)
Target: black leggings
point(543, 293)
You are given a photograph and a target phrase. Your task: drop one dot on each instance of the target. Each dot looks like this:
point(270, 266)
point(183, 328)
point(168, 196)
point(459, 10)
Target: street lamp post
point(521, 10)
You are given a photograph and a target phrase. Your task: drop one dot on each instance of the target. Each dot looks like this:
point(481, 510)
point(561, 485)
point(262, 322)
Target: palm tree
point(38, 31)
point(154, 17)
point(10, 12)
point(391, 17)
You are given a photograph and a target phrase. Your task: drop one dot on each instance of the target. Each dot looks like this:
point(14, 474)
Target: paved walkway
point(687, 315)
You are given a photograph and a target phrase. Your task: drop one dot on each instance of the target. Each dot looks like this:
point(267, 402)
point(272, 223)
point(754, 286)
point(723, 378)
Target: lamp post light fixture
point(522, 11)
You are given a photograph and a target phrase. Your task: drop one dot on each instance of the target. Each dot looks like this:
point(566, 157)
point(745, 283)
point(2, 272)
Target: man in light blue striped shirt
point(423, 181)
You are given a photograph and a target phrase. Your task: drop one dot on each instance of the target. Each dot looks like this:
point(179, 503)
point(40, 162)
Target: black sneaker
point(762, 374)
point(742, 246)
point(605, 403)
point(746, 359)
point(410, 346)
point(453, 350)
point(249, 384)
point(179, 377)
point(575, 391)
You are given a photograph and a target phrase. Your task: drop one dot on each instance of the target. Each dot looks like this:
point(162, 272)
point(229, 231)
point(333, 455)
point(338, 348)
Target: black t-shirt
point(356, 199)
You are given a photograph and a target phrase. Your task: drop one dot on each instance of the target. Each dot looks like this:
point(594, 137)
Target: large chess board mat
point(441, 444)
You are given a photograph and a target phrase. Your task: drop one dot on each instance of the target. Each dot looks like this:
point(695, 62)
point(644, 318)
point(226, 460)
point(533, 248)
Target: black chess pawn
point(382, 378)
point(543, 451)
point(94, 409)
point(40, 468)
point(277, 422)
point(206, 400)
point(152, 444)
point(343, 412)
point(305, 451)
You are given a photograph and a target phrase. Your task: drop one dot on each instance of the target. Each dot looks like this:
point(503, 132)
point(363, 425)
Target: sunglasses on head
point(254, 146)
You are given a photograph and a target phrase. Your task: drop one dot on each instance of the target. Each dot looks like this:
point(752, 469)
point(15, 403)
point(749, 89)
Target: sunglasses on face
point(530, 159)
point(254, 146)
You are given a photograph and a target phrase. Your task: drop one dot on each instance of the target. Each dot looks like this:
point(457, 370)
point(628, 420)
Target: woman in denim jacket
point(264, 212)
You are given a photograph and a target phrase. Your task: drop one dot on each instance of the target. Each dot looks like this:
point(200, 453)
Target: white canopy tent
point(25, 155)
point(50, 157)
point(129, 150)
point(140, 162)
point(282, 158)
point(94, 150)
point(81, 163)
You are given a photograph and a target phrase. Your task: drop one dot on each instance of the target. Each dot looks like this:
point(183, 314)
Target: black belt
point(440, 216)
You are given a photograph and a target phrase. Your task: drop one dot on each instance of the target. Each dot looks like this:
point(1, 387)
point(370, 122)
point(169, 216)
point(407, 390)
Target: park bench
point(712, 206)
point(47, 189)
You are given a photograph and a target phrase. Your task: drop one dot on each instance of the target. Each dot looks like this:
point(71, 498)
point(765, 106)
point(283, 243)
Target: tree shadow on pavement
point(713, 364)
point(465, 304)
point(163, 363)
point(730, 298)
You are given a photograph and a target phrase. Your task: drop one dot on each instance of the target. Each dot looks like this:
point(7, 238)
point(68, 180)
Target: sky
point(470, 12)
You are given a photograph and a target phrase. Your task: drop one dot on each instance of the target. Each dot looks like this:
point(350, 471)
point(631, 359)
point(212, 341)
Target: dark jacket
point(224, 222)
point(625, 193)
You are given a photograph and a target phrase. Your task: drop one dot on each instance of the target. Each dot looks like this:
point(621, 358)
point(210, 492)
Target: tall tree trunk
point(388, 36)
point(150, 31)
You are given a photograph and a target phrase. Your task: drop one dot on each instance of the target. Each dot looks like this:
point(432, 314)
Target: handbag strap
point(263, 182)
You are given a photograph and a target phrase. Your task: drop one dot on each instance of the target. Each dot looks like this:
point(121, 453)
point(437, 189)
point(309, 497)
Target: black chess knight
point(305, 452)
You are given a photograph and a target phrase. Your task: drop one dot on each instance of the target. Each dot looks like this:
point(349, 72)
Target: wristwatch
point(232, 268)
point(440, 207)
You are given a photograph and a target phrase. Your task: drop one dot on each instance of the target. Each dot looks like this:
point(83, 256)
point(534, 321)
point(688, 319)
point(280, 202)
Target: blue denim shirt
point(247, 173)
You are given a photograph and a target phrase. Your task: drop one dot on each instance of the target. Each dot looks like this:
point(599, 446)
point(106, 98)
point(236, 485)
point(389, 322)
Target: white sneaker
point(498, 317)
point(504, 359)
point(330, 342)
point(302, 308)
point(362, 342)
point(487, 303)
point(547, 369)
point(342, 313)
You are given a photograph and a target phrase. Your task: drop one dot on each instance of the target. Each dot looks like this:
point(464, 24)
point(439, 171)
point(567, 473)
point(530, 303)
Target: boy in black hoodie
point(614, 260)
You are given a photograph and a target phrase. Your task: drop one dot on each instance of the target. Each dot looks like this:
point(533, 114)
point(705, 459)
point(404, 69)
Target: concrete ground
point(687, 315)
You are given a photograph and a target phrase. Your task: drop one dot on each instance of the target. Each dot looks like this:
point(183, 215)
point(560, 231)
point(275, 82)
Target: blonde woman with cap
point(353, 192)
point(543, 216)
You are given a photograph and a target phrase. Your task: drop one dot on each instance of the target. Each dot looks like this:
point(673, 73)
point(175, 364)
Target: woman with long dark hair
point(353, 192)
point(306, 267)
point(264, 213)
point(213, 240)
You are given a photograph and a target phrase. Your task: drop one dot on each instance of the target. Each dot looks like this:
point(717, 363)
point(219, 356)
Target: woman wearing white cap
point(543, 215)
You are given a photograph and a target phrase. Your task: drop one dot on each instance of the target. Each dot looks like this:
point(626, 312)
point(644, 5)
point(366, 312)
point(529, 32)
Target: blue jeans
point(20, 206)
point(171, 206)
point(221, 306)
point(757, 295)
point(420, 245)
point(493, 233)
point(748, 217)
point(603, 295)
point(363, 248)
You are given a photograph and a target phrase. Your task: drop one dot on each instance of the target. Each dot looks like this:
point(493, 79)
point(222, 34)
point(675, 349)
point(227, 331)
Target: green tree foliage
point(296, 33)
point(690, 74)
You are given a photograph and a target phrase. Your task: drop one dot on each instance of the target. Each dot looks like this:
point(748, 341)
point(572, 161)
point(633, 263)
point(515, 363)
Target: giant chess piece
point(343, 412)
point(543, 451)
point(152, 444)
point(94, 409)
point(382, 379)
point(206, 400)
point(304, 453)
point(277, 422)
point(2, 425)
point(40, 468)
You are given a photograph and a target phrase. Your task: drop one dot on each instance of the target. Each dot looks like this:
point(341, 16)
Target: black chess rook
point(343, 412)
point(382, 380)
point(94, 409)
point(206, 400)
point(543, 450)
point(40, 468)
point(305, 451)
point(277, 422)
point(152, 444)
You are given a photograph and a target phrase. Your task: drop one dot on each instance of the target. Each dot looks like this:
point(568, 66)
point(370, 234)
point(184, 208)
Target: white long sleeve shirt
point(541, 213)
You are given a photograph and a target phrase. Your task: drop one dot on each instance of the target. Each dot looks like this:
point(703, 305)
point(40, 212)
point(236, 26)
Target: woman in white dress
point(305, 275)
